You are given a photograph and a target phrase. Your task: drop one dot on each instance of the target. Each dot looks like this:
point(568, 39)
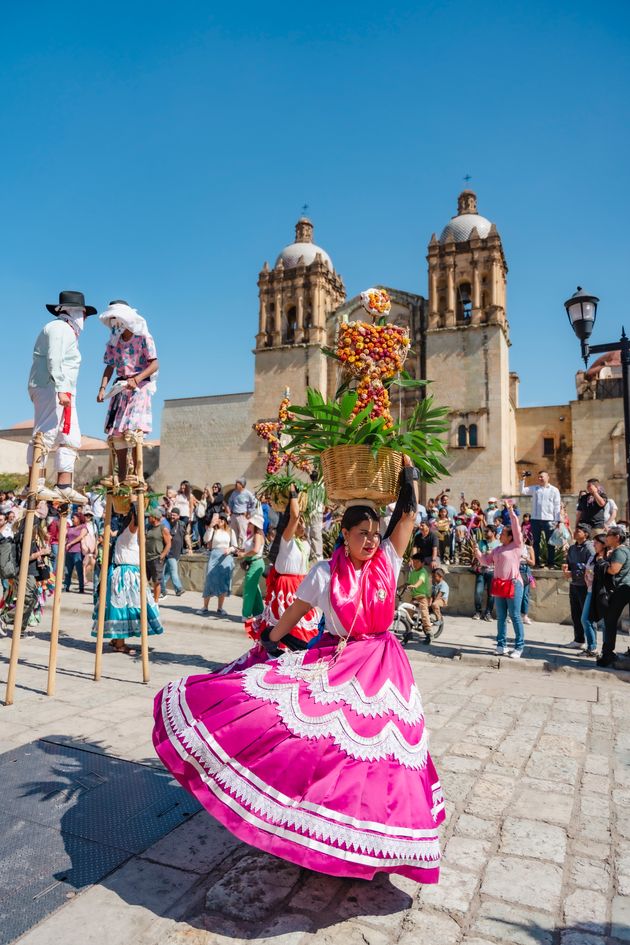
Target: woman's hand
point(100, 397)
point(132, 382)
point(407, 460)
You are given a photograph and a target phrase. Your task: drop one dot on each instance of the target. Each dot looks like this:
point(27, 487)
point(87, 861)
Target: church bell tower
point(467, 351)
point(296, 298)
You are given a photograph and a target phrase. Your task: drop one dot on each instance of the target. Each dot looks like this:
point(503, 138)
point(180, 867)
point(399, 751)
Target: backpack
point(8, 559)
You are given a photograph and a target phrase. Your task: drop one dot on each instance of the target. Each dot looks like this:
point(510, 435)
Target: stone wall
point(204, 439)
point(549, 600)
point(296, 366)
point(12, 456)
point(468, 370)
point(533, 425)
point(598, 446)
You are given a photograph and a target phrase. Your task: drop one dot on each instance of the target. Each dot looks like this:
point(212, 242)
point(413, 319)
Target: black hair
point(491, 528)
point(357, 514)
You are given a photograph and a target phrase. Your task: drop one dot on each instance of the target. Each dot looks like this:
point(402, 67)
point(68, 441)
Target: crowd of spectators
point(592, 554)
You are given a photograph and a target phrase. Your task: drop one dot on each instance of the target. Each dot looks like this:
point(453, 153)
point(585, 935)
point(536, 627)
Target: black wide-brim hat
point(76, 299)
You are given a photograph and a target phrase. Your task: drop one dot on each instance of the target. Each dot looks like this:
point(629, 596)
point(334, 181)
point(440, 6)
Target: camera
point(526, 475)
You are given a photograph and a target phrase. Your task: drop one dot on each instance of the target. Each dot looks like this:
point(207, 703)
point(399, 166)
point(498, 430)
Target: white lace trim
point(335, 725)
point(215, 767)
point(230, 667)
point(387, 700)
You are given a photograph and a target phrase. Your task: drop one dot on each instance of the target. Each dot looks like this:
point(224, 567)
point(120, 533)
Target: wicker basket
point(121, 502)
point(353, 472)
point(279, 501)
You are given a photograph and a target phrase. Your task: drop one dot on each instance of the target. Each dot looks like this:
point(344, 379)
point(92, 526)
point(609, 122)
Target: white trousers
point(59, 427)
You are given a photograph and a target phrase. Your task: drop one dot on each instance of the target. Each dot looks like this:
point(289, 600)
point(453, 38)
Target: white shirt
point(315, 588)
point(97, 504)
point(421, 514)
point(545, 501)
point(292, 557)
point(220, 540)
point(56, 358)
point(182, 504)
point(126, 550)
point(610, 513)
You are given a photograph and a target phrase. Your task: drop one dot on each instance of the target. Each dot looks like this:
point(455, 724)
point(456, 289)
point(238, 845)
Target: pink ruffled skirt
point(324, 765)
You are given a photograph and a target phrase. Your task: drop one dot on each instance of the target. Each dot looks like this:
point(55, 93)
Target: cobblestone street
point(535, 766)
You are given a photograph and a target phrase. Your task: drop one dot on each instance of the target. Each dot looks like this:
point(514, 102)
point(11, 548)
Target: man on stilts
point(52, 387)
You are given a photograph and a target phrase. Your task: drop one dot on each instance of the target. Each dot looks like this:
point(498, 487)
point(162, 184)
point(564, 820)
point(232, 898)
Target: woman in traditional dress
point(132, 354)
point(320, 756)
point(220, 568)
point(252, 555)
point(289, 557)
point(122, 606)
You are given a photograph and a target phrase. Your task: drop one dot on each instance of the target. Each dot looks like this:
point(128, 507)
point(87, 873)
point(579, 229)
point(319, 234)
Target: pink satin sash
point(363, 600)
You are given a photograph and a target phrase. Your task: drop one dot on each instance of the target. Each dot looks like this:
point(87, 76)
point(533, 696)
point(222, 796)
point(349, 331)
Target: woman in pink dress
point(131, 353)
point(320, 756)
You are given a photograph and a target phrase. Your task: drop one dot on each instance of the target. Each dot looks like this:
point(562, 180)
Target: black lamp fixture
point(582, 312)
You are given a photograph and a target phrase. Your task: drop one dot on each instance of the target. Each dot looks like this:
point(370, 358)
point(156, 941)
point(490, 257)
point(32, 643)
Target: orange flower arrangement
point(271, 431)
point(373, 353)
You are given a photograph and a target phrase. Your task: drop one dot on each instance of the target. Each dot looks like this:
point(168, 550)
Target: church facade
point(460, 343)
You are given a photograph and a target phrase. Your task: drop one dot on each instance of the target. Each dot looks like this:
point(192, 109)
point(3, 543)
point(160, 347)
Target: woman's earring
point(346, 549)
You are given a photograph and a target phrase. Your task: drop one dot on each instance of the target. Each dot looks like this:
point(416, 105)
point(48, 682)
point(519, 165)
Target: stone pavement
point(534, 757)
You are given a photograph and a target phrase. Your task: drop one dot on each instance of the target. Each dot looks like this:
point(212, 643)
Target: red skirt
point(281, 592)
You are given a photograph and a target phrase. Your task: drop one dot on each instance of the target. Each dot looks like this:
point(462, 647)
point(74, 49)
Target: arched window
point(290, 321)
point(269, 327)
point(461, 435)
point(472, 435)
point(464, 303)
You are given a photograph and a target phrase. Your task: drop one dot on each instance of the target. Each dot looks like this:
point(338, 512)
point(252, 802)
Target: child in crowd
point(420, 589)
point(439, 594)
point(444, 531)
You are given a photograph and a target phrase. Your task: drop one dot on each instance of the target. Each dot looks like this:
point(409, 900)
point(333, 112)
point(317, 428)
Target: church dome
point(461, 226)
point(303, 247)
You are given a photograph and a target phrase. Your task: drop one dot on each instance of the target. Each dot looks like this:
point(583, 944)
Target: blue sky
point(160, 152)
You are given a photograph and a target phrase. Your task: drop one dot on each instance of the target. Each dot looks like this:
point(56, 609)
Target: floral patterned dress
point(131, 408)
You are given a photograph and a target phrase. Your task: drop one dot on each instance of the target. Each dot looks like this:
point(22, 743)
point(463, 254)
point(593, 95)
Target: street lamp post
point(582, 311)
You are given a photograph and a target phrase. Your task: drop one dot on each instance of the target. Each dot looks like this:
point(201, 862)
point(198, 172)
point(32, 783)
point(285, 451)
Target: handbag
point(202, 506)
point(502, 587)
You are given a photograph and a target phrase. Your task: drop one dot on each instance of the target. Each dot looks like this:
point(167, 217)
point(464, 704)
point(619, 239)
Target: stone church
point(460, 343)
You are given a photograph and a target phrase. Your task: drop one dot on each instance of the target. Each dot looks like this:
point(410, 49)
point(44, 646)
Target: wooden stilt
point(141, 491)
point(56, 611)
point(104, 577)
point(38, 449)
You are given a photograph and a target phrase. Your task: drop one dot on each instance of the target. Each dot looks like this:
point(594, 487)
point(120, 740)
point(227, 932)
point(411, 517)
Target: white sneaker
point(574, 645)
point(526, 619)
point(70, 496)
point(42, 493)
point(516, 654)
point(503, 651)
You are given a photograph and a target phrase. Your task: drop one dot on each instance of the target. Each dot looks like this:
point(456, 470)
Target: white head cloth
point(120, 317)
point(350, 503)
point(73, 315)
